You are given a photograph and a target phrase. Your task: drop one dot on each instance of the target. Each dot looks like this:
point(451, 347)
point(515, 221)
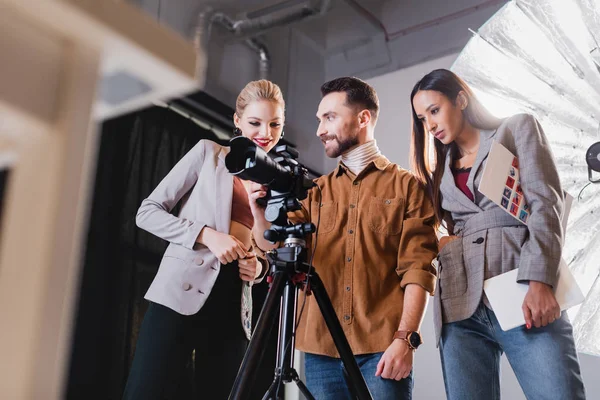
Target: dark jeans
point(167, 339)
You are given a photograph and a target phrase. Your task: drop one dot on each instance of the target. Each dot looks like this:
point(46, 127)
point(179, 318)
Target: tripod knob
point(271, 235)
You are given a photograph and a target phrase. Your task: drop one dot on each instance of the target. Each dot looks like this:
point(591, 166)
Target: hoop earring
point(237, 131)
point(282, 134)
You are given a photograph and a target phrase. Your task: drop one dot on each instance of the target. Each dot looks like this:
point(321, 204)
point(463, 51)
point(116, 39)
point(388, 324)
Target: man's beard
point(342, 146)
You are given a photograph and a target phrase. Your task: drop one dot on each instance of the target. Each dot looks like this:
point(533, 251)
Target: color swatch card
point(501, 184)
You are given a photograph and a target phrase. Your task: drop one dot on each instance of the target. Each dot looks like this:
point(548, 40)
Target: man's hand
point(397, 361)
point(540, 307)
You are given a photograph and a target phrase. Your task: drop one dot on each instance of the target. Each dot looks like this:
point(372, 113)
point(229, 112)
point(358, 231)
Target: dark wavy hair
point(450, 85)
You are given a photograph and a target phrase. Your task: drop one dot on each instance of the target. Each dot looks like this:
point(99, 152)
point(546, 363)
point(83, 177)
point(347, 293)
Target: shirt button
point(388, 202)
point(346, 317)
point(199, 260)
point(479, 240)
point(347, 288)
point(186, 286)
point(352, 206)
point(349, 259)
point(355, 183)
point(350, 231)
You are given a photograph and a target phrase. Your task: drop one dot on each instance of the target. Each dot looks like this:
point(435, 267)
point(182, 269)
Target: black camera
point(286, 179)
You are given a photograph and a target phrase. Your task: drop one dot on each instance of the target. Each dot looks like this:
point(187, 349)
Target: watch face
point(414, 339)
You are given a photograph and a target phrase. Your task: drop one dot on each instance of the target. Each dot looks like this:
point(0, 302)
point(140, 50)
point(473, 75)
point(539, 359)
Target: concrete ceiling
point(347, 22)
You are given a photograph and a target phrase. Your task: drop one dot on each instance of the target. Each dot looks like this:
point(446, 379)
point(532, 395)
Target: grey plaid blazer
point(491, 241)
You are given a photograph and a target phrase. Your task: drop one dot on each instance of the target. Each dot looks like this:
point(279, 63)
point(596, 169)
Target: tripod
point(288, 272)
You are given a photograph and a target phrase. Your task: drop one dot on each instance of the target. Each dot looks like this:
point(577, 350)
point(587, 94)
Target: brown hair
point(450, 85)
point(359, 94)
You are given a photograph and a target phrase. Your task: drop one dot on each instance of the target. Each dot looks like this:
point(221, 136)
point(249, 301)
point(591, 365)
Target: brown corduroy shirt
point(375, 236)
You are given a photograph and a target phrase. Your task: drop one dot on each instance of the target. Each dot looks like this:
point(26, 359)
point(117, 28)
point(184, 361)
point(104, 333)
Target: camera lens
point(250, 162)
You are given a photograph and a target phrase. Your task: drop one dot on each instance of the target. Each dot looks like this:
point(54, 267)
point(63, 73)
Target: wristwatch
point(413, 339)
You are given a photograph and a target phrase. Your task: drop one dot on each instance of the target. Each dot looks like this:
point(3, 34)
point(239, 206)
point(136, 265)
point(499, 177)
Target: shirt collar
point(381, 163)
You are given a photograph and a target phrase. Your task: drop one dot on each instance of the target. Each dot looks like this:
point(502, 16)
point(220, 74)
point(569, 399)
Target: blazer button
point(199, 260)
point(479, 240)
point(186, 286)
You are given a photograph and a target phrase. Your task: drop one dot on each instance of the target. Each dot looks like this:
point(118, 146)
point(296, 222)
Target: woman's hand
point(540, 307)
point(255, 192)
point(444, 240)
point(225, 247)
point(250, 267)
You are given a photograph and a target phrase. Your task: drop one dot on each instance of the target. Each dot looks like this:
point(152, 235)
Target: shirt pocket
point(324, 216)
point(452, 281)
point(386, 215)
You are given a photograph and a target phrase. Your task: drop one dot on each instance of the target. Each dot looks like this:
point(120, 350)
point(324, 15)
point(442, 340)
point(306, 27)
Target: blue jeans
point(544, 359)
point(325, 379)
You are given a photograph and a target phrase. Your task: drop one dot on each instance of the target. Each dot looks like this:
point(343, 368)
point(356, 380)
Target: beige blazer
point(188, 270)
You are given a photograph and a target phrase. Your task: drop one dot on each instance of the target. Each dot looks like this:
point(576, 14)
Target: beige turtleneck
point(357, 159)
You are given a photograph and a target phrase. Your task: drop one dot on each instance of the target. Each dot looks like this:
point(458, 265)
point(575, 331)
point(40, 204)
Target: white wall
point(393, 137)
point(394, 124)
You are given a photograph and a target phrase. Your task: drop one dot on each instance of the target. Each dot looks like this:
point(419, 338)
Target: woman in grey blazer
point(486, 241)
point(200, 299)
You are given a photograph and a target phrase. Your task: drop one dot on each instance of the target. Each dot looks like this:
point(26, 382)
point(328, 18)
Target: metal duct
point(254, 26)
point(264, 61)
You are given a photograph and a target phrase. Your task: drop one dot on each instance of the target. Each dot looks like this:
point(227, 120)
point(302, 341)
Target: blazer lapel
point(448, 186)
point(485, 143)
point(223, 193)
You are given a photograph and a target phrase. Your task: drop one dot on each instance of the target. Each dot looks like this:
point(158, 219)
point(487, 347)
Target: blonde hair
point(256, 91)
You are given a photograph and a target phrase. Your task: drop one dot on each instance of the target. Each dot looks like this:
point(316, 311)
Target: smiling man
point(375, 246)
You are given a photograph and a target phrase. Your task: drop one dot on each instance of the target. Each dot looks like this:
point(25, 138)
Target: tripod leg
point(302, 387)
point(249, 367)
point(349, 383)
point(285, 343)
point(271, 394)
point(359, 387)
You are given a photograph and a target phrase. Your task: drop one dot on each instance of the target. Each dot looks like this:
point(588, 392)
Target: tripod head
point(287, 233)
point(293, 255)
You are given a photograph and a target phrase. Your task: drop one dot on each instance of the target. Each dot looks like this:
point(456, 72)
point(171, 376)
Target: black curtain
point(136, 152)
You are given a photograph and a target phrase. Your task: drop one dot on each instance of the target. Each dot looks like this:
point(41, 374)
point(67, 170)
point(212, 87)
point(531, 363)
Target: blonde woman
point(200, 299)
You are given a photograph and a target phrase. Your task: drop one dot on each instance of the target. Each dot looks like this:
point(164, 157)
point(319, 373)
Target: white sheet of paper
point(503, 292)
point(506, 295)
point(495, 172)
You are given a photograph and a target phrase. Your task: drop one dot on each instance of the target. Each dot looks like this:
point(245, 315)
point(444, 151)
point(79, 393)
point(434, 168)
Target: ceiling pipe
point(264, 59)
point(253, 27)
